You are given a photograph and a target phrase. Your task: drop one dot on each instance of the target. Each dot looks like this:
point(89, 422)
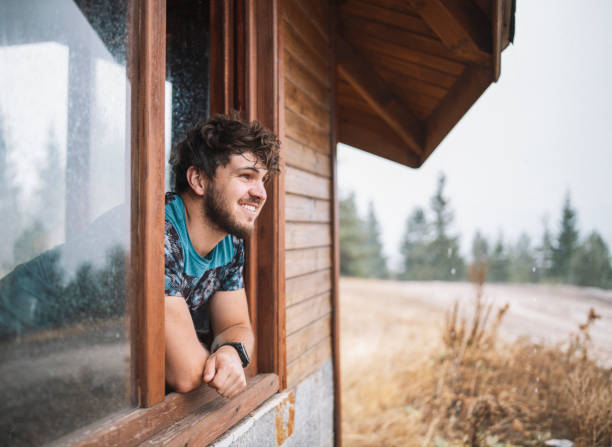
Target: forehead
point(246, 160)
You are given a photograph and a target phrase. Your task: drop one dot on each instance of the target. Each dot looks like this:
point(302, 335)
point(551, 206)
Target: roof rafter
point(461, 25)
point(468, 88)
point(375, 91)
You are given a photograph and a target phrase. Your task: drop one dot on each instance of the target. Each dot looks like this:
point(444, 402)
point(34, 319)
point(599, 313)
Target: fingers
point(209, 369)
point(224, 373)
point(237, 385)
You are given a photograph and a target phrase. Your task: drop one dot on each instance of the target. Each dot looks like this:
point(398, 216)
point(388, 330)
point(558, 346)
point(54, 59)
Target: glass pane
point(187, 69)
point(64, 179)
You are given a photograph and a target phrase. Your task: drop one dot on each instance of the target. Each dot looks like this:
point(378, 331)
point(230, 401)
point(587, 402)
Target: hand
point(223, 371)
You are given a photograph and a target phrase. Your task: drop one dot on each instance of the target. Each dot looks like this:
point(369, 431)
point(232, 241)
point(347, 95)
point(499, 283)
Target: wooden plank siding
point(307, 84)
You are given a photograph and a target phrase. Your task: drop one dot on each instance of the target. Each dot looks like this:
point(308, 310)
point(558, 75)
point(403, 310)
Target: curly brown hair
point(210, 143)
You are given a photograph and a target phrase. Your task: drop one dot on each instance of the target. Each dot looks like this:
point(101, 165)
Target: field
point(417, 373)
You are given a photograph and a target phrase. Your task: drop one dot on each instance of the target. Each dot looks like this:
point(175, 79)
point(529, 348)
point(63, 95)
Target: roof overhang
point(408, 71)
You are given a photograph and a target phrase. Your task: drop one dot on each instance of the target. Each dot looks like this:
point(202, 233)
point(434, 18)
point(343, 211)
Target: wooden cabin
point(389, 77)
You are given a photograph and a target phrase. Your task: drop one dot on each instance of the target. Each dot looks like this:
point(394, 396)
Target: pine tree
point(499, 264)
point(353, 239)
point(545, 252)
point(10, 216)
point(522, 265)
point(480, 251)
point(416, 239)
point(446, 261)
point(590, 264)
point(567, 241)
point(377, 263)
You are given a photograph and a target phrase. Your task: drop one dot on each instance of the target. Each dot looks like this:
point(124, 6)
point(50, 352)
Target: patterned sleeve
point(173, 257)
point(234, 279)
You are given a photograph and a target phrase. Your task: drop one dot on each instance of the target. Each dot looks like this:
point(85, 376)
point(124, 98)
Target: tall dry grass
point(468, 389)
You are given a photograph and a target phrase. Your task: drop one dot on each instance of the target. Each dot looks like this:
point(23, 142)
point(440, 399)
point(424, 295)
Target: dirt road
point(541, 312)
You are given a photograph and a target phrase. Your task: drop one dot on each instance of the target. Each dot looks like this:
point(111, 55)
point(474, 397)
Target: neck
point(204, 235)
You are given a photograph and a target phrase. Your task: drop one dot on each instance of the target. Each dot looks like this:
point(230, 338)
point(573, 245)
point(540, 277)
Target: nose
point(259, 190)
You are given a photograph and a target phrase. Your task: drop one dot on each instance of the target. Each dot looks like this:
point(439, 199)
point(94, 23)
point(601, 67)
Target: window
point(82, 168)
point(64, 190)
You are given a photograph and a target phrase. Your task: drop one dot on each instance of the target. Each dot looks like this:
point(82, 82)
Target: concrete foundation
point(302, 416)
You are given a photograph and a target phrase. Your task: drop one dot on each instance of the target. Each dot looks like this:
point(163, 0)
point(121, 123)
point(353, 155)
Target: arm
point(230, 323)
point(185, 355)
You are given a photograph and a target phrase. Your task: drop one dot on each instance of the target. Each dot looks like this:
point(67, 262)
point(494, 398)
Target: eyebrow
point(250, 168)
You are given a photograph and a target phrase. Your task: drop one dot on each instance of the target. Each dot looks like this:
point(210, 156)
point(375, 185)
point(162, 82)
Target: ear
point(197, 180)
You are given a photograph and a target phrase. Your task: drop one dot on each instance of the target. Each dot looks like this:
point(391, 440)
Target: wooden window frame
point(245, 72)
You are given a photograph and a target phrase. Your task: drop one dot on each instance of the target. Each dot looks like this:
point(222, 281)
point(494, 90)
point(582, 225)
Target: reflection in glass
point(64, 357)
point(187, 69)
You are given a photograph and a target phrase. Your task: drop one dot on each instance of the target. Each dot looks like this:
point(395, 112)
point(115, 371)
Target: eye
point(245, 176)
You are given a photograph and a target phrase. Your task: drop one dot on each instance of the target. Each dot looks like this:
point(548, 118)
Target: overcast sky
point(544, 129)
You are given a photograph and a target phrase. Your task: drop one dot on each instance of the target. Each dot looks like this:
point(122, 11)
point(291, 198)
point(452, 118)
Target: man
point(218, 171)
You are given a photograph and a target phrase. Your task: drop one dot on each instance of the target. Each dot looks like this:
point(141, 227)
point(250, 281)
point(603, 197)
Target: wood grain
point(307, 235)
point(305, 338)
point(303, 287)
point(294, 13)
point(308, 362)
point(307, 312)
point(205, 424)
point(299, 156)
point(310, 59)
point(375, 91)
point(265, 96)
point(299, 76)
point(147, 62)
point(307, 184)
point(134, 426)
point(375, 45)
point(385, 16)
point(306, 209)
point(305, 132)
point(303, 105)
point(307, 260)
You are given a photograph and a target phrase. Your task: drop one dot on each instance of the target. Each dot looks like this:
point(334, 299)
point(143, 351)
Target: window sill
point(195, 418)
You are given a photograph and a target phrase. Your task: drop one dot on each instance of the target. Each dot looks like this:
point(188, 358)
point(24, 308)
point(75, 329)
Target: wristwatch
point(239, 347)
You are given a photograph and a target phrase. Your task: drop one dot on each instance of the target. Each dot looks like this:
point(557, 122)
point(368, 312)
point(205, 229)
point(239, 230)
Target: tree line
point(430, 251)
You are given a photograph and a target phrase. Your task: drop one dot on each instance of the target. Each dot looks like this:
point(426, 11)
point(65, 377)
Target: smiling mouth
point(249, 207)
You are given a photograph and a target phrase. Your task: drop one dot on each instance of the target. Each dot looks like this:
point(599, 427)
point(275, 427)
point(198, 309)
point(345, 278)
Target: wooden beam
point(147, 67)
point(375, 91)
point(469, 87)
point(461, 25)
point(264, 93)
point(364, 138)
point(497, 37)
point(206, 424)
point(335, 215)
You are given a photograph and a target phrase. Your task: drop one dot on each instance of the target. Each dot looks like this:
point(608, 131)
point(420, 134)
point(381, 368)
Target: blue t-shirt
point(194, 277)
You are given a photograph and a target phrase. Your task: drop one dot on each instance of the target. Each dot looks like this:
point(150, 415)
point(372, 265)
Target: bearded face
point(220, 212)
point(233, 199)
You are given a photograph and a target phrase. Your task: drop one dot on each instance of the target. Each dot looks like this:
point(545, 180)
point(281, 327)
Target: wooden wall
point(307, 82)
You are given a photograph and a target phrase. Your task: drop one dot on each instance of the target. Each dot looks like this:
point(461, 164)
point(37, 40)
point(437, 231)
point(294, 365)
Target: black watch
point(239, 347)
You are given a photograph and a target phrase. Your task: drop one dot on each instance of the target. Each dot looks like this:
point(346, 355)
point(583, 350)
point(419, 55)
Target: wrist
point(238, 349)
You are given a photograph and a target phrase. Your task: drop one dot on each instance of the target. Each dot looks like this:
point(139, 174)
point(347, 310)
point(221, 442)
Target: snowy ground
point(544, 313)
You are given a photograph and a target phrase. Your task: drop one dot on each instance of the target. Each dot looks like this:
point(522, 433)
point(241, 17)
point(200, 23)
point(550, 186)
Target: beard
point(218, 212)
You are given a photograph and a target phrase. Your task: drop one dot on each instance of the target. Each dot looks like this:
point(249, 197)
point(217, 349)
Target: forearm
point(185, 355)
point(241, 333)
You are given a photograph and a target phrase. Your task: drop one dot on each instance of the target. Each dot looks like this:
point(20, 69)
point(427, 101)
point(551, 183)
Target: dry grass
point(452, 383)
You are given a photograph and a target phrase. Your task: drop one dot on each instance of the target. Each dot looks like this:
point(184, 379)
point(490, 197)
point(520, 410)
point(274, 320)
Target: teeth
point(249, 207)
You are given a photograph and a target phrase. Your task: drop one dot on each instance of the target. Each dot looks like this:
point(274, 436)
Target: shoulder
point(238, 246)
point(171, 197)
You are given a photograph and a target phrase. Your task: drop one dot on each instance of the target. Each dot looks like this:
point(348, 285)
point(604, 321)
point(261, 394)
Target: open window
point(82, 142)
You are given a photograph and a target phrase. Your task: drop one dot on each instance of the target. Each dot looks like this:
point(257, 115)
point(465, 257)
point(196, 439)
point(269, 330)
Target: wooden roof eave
point(472, 36)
